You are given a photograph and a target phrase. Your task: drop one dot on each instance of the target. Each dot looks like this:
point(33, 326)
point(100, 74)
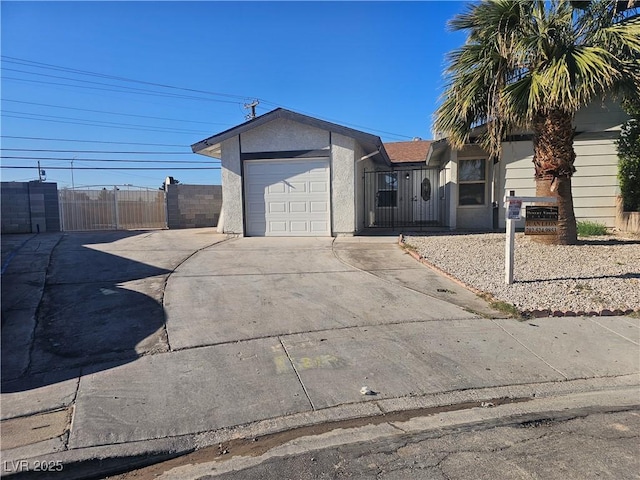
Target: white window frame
point(473, 182)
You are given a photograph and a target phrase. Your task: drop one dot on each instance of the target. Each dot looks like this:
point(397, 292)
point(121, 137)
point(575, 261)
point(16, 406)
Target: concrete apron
point(260, 329)
point(261, 287)
point(209, 388)
point(320, 374)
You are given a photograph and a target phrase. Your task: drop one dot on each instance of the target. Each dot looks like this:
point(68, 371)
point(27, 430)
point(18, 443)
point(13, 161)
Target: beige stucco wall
point(282, 134)
point(231, 187)
point(343, 184)
point(360, 166)
point(285, 135)
point(464, 217)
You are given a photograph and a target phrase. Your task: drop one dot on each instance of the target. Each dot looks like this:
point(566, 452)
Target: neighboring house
point(288, 174)
point(476, 185)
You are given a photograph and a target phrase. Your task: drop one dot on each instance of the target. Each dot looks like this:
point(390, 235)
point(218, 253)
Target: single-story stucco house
point(475, 186)
point(288, 174)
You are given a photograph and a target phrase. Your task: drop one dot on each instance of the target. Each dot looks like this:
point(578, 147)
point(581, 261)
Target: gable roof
point(408, 152)
point(370, 142)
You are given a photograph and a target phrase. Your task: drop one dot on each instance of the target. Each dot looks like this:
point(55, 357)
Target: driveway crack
point(389, 282)
point(38, 311)
point(166, 282)
point(304, 389)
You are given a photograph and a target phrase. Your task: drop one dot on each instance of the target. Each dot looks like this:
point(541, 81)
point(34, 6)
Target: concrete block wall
point(193, 206)
point(29, 207)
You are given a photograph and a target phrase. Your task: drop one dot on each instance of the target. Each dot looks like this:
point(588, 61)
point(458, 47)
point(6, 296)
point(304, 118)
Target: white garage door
point(287, 197)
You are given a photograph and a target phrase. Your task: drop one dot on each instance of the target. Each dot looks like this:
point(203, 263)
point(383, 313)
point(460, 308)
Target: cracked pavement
point(157, 343)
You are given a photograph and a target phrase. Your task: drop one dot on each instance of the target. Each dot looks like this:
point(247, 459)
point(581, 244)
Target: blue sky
point(374, 66)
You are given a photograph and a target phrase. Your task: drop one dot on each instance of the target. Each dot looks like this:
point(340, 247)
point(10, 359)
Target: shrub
point(629, 155)
point(591, 229)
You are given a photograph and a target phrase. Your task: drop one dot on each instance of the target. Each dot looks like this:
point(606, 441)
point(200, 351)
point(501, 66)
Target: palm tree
point(532, 65)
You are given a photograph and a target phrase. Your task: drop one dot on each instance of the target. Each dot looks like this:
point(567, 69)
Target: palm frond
point(523, 58)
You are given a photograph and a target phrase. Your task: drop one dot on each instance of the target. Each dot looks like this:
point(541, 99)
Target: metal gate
point(112, 208)
point(402, 198)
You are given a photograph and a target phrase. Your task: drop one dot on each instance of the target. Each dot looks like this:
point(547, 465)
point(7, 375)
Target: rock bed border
point(540, 313)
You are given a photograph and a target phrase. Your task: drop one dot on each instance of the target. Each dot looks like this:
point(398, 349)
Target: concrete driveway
point(145, 344)
point(263, 287)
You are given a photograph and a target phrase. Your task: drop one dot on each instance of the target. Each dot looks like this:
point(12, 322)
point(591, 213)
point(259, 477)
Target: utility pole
point(73, 197)
point(252, 106)
point(42, 174)
point(73, 185)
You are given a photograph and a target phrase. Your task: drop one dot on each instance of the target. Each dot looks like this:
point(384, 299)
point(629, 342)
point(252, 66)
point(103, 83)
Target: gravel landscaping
point(600, 274)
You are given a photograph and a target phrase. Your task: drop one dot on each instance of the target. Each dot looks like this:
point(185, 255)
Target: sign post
point(513, 207)
point(509, 250)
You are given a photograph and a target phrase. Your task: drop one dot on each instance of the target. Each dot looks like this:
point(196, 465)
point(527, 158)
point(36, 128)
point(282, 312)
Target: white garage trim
point(287, 197)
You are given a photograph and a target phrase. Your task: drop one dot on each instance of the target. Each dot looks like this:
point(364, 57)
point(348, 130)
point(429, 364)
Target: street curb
point(527, 313)
point(104, 460)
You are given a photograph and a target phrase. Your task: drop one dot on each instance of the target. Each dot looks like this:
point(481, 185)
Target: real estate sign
point(541, 220)
point(513, 209)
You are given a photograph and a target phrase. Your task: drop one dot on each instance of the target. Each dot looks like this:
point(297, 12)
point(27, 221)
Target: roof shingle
point(407, 152)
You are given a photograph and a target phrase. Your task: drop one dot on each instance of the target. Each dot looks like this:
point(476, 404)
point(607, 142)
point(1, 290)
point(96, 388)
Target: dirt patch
point(18, 432)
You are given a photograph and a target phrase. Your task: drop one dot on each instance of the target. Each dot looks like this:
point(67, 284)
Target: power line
point(91, 151)
point(84, 72)
point(94, 141)
point(95, 121)
point(31, 63)
point(160, 130)
point(123, 90)
point(49, 66)
point(110, 168)
point(124, 87)
point(113, 113)
point(108, 160)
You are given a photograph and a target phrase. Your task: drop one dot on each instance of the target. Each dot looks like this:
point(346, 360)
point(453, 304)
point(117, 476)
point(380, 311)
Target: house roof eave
point(369, 142)
point(436, 151)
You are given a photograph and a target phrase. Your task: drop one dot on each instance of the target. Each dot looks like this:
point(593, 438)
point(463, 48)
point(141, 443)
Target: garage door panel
point(278, 227)
point(299, 227)
point(277, 207)
point(318, 227)
point(298, 207)
point(317, 187)
point(297, 188)
point(287, 197)
point(319, 207)
point(277, 188)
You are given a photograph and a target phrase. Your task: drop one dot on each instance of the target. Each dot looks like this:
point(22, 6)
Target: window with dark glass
point(387, 194)
point(471, 182)
point(425, 190)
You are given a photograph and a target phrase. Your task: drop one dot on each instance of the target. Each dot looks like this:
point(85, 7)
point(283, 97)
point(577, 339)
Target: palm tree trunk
point(567, 234)
point(553, 158)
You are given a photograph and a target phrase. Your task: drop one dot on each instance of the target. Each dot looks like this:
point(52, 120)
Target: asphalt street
point(573, 442)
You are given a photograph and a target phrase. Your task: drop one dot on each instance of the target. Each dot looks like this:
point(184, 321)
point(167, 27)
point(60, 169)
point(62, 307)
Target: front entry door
point(424, 195)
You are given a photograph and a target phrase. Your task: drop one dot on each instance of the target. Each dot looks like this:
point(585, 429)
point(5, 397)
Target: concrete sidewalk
point(223, 376)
